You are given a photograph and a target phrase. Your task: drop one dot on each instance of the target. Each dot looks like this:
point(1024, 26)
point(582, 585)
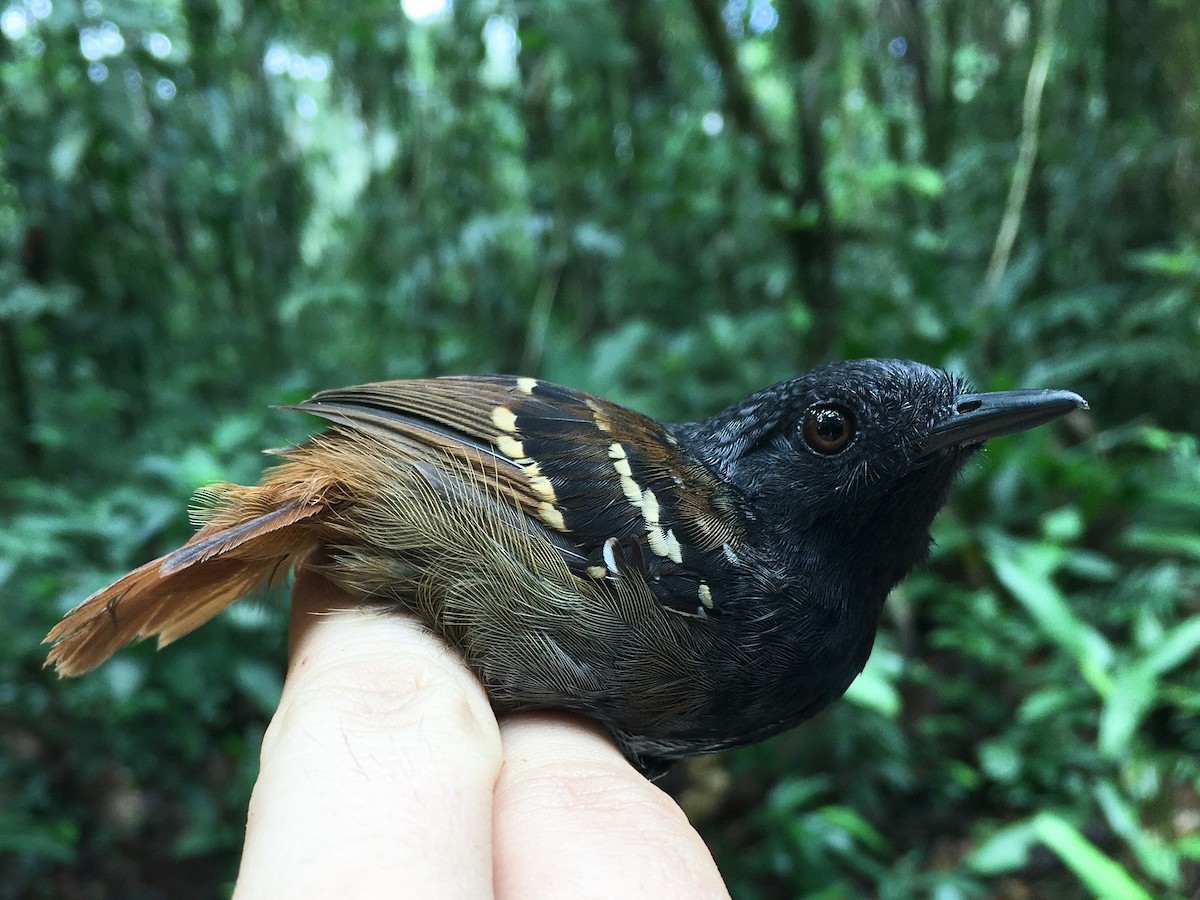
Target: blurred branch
point(812, 205)
point(19, 392)
point(739, 102)
point(642, 28)
point(933, 91)
point(35, 265)
point(808, 223)
point(1018, 188)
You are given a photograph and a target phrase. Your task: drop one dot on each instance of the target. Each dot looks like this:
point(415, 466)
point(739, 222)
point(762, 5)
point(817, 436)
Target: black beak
point(978, 417)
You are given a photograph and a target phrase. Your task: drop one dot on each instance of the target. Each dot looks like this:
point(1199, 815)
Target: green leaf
point(24, 836)
point(1133, 691)
point(875, 687)
point(1045, 703)
point(1189, 846)
point(1136, 686)
point(1000, 760)
point(1004, 851)
point(1026, 569)
point(1177, 646)
point(1182, 263)
point(1063, 524)
point(925, 180)
point(1156, 858)
point(795, 794)
point(1103, 876)
point(1154, 539)
point(853, 823)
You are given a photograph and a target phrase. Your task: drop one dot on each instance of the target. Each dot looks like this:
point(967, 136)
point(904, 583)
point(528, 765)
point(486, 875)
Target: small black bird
point(692, 587)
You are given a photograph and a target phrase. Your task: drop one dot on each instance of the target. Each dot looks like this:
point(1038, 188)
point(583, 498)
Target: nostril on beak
point(967, 406)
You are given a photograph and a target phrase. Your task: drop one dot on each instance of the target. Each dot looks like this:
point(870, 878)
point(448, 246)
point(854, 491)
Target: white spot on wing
point(658, 540)
point(663, 543)
point(543, 488)
point(510, 447)
point(504, 419)
point(632, 492)
point(650, 507)
point(610, 554)
point(551, 516)
point(674, 550)
point(598, 416)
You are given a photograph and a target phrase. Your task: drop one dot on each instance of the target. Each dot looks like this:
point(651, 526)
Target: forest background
point(211, 206)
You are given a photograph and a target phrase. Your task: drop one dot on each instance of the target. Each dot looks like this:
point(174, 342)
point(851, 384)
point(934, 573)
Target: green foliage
point(205, 210)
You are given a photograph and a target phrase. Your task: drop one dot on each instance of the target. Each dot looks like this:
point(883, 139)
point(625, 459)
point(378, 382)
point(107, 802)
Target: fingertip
point(566, 784)
point(379, 764)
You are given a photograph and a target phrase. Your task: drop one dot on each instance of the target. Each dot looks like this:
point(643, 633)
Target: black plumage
point(692, 587)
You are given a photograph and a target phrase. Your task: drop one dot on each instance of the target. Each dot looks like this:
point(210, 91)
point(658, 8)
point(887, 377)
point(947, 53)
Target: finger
point(574, 819)
point(378, 767)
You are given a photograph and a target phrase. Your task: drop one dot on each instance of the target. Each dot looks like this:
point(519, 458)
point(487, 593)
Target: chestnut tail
point(251, 535)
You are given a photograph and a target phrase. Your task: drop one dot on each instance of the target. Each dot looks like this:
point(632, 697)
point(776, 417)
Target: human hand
point(385, 773)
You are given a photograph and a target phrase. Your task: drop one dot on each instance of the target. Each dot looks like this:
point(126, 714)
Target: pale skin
point(386, 774)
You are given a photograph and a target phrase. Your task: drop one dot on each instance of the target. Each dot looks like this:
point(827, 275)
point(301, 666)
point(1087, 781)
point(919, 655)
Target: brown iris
point(828, 429)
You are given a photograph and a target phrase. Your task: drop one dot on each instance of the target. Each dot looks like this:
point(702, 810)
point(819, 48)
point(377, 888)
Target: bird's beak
point(978, 417)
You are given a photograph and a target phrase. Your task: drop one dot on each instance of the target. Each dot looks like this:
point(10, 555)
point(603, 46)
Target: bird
point(692, 587)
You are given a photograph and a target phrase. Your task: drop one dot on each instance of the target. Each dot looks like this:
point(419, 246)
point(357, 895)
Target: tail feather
point(215, 540)
point(240, 547)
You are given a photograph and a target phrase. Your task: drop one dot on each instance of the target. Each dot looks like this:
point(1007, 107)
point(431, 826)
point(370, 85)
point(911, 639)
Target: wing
point(615, 490)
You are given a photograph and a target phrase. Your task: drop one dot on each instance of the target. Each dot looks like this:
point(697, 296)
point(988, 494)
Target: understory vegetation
point(212, 207)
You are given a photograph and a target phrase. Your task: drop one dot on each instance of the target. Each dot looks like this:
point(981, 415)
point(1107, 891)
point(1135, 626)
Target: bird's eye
point(827, 429)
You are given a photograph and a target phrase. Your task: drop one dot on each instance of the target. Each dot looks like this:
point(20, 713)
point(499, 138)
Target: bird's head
point(849, 463)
